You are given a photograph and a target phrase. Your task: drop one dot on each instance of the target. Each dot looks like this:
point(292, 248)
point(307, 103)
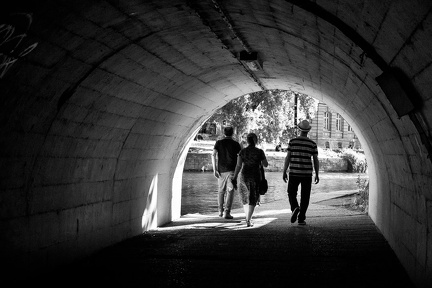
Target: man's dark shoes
point(295, 214)
point(227, 215)
point(301, 222)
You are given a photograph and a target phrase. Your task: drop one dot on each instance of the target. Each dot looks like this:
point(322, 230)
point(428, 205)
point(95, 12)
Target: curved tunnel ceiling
point(114, 89)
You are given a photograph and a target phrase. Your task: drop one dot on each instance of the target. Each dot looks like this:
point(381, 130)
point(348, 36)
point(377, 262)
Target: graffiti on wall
point(13, 30)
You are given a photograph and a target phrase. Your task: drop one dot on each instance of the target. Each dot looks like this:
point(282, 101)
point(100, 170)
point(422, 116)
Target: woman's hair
point(252, 139)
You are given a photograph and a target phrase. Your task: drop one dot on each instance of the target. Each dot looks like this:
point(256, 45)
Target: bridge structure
point(99, 100)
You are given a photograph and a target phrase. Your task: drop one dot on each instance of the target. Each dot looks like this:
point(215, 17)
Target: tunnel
point(100, 99)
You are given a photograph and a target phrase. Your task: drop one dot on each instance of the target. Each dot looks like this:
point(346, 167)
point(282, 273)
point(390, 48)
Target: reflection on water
point(199, 189)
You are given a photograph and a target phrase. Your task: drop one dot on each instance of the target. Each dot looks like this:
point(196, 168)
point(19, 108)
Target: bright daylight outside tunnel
point(273, 116)
point(99, 100)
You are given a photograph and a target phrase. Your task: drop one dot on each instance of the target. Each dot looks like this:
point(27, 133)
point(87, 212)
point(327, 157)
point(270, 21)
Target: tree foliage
point(234, 113)
point(269, 114)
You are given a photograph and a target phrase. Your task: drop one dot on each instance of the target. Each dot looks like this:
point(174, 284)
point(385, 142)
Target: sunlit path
point(264, 214)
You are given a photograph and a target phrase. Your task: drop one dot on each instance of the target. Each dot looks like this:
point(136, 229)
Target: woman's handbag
point(263, 183)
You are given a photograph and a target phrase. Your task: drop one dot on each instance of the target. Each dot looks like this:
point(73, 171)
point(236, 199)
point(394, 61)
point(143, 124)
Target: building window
point(327, 145)
point(340, 145)
point(338, 122)
point(327, 120)
point(350, 128)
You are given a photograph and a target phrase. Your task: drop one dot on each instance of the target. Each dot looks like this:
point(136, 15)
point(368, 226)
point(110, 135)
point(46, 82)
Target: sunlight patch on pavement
point(200, 222)
point(273, 212)
point(257, 223)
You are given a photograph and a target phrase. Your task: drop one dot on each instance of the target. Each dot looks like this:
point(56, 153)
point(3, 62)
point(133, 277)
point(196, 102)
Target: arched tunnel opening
point(207, 162)
point(100, 98)
point(272, 115)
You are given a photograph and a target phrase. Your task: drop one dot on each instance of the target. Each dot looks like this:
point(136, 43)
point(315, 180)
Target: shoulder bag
point(263, 183)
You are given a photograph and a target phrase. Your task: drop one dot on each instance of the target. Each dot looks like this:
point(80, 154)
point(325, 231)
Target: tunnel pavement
point(337, 248)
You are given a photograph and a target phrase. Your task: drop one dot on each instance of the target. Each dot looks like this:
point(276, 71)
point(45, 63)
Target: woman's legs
point(246, 211)
point(249, 210)
point(249, 200)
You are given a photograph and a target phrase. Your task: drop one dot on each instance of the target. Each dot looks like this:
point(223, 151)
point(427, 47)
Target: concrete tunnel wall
point(97, 117)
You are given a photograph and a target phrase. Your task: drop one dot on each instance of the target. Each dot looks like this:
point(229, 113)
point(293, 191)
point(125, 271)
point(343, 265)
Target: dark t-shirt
point(252, 157)
point(227, 149)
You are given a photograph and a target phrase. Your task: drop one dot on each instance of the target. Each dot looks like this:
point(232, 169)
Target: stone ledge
point(203, 162)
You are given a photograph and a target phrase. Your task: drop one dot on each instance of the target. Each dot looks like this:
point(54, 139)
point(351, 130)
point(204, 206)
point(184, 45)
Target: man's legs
point(230, 192)
point(293, 183)
point(225, 189)
point(306, 185)
point(221, 195)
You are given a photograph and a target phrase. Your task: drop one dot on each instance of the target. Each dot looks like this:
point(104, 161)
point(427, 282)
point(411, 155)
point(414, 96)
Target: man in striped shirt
point(298, 159)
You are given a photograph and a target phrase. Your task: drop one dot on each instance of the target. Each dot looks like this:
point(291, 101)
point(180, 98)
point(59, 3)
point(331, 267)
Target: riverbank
point(201, 161)
point(199, 190)
point(344, 160)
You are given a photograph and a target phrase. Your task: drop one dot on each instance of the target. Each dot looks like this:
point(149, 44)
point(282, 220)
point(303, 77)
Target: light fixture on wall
point(251, 60)
point(395, 93)
point(404, 98)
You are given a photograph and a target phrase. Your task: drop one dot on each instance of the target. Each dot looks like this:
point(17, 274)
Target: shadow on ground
point(337, 248)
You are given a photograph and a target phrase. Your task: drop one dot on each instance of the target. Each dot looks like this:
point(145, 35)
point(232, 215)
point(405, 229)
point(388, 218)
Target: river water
point(199, 189)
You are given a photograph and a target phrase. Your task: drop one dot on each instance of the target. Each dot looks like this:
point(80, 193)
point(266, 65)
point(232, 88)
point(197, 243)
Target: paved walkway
point(337, 248)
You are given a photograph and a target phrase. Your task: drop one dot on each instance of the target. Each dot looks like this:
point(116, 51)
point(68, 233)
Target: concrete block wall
point(95, 120)
point(101, 156)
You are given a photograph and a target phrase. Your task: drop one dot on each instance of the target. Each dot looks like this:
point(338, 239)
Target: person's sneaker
point(227, 215)
point(294, 214)
point(301, 222)
point(220, 213)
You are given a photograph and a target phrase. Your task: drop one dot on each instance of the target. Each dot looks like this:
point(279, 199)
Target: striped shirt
point(302, 149)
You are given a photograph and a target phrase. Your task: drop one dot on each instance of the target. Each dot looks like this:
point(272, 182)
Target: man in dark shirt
point(224, 160)
point(298, 159)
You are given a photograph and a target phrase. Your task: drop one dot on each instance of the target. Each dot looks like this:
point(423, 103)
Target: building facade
point(330, 130)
